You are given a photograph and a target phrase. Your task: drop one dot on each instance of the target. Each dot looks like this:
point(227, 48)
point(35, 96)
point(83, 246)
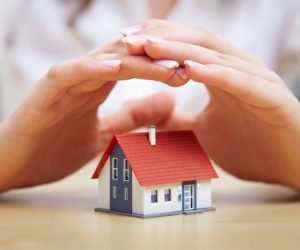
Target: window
point(125, 170)
point(126, 194)
point(114, 192)
point(114, 173)
point(167, 194)
point(154, 197)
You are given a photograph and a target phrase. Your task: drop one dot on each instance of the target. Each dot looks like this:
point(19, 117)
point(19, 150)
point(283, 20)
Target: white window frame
point(168, 191)
point(125, 169)
point(154, 193)
point(126, 194)
point(114, 168)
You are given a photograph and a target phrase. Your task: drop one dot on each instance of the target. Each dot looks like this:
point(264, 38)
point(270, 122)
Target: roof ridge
point(158, 132)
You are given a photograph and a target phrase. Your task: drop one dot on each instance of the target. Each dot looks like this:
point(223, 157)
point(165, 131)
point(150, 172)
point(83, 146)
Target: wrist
point(10, 163)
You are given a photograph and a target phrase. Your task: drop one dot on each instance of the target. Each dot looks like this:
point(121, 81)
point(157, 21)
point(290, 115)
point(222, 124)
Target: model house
point(154, 174)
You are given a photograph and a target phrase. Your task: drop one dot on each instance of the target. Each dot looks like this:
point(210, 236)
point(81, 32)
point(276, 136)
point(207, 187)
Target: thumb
point(154, 109)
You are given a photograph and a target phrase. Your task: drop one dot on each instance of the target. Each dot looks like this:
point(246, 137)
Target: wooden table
point(61, 216)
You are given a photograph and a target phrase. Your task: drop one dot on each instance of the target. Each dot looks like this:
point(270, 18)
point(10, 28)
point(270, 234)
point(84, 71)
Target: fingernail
point(169, 64)
point(111, 63)
point(156, 40)
point(131, 30)
point(181, 73)
point(193, 64)
point(133, 40)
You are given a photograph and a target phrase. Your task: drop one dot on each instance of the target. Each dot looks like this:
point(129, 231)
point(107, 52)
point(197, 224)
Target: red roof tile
point(176, 157)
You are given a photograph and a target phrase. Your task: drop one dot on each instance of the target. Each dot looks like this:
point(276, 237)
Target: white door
point(188, 197)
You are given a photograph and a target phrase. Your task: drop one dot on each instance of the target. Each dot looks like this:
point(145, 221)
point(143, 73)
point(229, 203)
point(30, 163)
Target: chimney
point(152, 135)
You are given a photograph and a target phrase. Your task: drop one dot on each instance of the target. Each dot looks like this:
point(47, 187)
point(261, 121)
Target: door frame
point(193, 183)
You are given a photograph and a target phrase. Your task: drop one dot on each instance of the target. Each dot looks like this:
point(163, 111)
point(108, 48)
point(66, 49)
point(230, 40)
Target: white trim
point(189, 197)
point(126, 193)
point(114, 168)
point(125, 170)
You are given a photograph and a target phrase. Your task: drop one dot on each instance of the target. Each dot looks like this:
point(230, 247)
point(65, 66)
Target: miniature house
point(154, 174)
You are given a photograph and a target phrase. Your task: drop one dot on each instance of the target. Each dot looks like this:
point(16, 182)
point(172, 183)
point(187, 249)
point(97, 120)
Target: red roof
point(176, 157)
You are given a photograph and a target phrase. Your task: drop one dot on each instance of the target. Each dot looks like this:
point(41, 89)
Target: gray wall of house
point(118, 201)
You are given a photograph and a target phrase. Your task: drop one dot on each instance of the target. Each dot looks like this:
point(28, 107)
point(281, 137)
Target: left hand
point(251, 126)
point(56, 129)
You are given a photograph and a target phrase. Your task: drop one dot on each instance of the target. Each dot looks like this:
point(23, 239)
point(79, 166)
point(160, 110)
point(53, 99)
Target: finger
point(154, 109)
point(157, 49)
point(194, 35)
point(77, 105)
point(61, 76)
point(100, 95)
point(135, 44)
point(96, 97)
point(157, 109)
point(148, 24)
point(103, 67)
point(86, 86)
point(178, 79)
point(250, 89)
point(113, 47)
point(142, 67)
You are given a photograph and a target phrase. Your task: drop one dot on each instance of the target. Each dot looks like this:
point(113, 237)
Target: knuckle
point(204, 37)
point(221, 58)
point(80, 65)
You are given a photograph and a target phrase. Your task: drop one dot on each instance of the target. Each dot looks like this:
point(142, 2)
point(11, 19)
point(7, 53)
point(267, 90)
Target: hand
point(251, 126)
point(56, 129)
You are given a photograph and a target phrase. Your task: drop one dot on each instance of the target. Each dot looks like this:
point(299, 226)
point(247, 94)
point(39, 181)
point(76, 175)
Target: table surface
point(61, 216)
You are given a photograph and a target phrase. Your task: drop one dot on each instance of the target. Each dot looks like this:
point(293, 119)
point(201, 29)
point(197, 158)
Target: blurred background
point(36, 34)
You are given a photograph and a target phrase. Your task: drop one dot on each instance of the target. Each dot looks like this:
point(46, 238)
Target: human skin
point(251, 125)
point(56, 129)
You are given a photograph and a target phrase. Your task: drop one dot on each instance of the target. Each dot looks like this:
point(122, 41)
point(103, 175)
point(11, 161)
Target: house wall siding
point(137, 196)
point(141, 196)
point(203, 194)
point(163, 206)
point(104, 187)
point(118, 202)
